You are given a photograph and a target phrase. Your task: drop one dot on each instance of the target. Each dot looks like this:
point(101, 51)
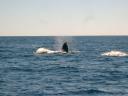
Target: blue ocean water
point(84, 73)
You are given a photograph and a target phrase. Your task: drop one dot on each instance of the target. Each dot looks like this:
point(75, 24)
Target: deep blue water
point(84, 73)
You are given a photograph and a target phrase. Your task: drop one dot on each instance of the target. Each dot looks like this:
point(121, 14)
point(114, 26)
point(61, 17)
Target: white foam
point(47, 51)
point(114, 53)
point(44, 50)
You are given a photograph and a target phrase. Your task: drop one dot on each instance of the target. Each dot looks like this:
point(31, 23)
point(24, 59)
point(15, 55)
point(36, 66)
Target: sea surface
point(85, 72)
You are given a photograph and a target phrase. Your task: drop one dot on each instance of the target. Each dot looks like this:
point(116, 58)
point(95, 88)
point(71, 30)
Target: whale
point(65, 47)
point(43, 50)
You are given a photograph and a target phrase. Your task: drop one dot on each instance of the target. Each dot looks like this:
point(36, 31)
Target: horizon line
point(54, 35)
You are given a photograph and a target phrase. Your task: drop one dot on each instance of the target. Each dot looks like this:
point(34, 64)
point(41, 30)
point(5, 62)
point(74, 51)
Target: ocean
point(85, 72)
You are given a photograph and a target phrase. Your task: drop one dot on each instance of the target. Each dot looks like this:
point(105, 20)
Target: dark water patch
point(19, 69)
point(27, 55)
point(62, 69)
point(125, 61)
point(2, 81)
point(91, 92)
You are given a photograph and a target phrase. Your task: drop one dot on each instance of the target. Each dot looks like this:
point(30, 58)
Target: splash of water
point(115, 53)
point(59, 40)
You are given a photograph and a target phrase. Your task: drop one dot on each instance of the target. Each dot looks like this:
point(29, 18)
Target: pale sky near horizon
point(63, 17)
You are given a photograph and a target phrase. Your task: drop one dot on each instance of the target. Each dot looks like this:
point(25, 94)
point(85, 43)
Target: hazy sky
point(63, 17)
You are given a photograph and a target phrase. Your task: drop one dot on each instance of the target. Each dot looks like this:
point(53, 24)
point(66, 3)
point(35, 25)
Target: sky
point(63, 17)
